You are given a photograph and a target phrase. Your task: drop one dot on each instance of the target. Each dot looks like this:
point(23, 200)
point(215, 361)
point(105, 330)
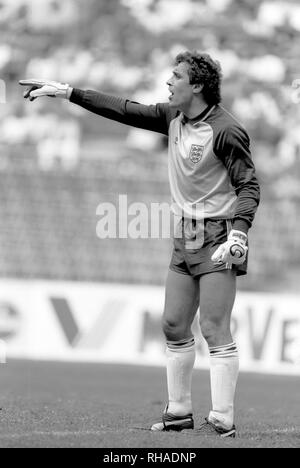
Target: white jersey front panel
point(199, 181)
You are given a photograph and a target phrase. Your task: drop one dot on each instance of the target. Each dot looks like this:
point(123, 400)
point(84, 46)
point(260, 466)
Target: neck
point(195, 109)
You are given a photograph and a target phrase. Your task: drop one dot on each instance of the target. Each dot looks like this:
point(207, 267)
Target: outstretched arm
point(154, 117)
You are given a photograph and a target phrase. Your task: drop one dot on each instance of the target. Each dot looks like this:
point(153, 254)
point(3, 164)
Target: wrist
point(240, 224)
point(238, 236)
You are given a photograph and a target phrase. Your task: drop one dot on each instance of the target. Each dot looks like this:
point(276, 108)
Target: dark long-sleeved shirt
point(211, 171)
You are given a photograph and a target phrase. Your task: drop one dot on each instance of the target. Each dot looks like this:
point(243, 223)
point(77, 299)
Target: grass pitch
point(46, 404)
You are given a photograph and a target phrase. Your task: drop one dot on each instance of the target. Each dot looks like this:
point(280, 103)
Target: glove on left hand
point(234, 250)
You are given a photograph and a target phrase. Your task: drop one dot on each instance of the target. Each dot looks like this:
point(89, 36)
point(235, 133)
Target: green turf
point(96, 405)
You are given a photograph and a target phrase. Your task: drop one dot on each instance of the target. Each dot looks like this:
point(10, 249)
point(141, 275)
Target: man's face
point(180, 88)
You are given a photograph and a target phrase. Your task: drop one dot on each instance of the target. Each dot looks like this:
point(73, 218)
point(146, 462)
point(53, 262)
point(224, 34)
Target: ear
point(197, 88)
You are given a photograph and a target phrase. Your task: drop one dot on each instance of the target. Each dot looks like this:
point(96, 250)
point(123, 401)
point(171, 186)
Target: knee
point(211, 330)
point(173, 330)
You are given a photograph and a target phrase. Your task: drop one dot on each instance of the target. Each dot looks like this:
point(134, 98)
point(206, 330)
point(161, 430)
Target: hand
point(38, 88)
point(233, 251)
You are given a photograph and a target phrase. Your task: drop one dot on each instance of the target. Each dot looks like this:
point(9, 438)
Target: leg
point(181, 304)
point(217, 294)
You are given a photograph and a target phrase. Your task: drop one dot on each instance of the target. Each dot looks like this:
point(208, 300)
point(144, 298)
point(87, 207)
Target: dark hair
point(204, 70)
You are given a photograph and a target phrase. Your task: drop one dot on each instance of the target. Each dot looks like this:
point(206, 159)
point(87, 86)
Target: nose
point(169, 82)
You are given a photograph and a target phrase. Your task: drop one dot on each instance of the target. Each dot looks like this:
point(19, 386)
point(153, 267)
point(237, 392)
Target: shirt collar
point(204, 114)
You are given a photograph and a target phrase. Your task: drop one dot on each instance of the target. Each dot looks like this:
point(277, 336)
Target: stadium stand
point(50, 192)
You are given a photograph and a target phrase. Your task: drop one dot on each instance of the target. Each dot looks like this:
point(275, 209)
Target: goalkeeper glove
point(233, 251)
point(38, 88)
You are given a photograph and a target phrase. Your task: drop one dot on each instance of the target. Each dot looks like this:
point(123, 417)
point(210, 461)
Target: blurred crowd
point(127, 47)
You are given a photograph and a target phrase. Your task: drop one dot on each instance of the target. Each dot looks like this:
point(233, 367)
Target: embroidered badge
point(196, 153)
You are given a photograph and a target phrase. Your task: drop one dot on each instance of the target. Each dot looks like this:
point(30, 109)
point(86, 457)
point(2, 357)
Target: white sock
point(180, 363)
point(224, 369)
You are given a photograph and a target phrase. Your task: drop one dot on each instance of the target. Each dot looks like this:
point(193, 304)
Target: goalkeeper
point(215, 195)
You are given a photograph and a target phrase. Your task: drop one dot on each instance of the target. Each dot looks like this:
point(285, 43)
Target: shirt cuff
point(77, 95)
point(240, 225)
